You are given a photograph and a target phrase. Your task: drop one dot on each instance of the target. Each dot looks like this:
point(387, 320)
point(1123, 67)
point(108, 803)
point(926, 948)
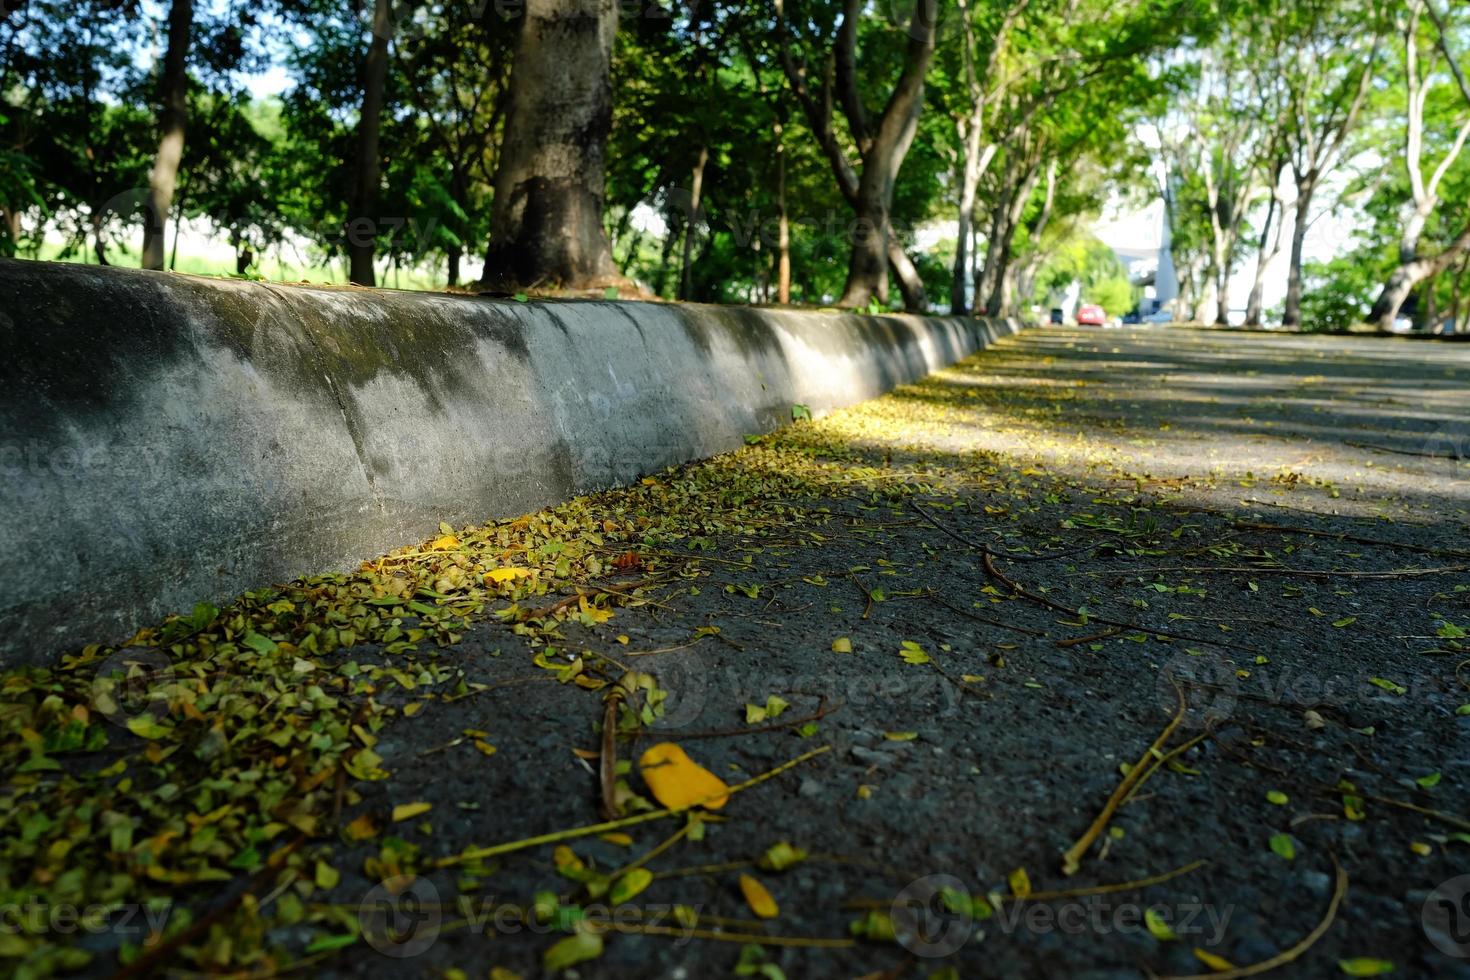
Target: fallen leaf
point(576, 948)
point(1020, 883)
point(759, 900)
point(1364, 966)
point(629, 885)
point(677, 781)
point(407, 811)
point(362, 828)
point(842, 645)
point(1158, 927)
point(1217, 963)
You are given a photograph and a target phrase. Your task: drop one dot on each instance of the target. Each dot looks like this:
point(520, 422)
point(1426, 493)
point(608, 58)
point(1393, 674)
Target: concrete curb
point(172, 438)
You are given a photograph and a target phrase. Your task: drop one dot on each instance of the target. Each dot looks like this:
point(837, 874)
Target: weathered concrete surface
point(168, 439)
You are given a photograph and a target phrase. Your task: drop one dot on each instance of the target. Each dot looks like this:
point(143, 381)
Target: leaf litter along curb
point(260, 704)
point(272, 647)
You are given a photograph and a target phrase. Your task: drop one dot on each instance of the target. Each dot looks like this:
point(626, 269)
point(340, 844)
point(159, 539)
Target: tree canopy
point(808, 151)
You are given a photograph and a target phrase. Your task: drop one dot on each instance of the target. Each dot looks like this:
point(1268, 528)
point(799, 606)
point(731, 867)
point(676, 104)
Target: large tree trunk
point(174, 117)
point(546, 224)
point(867, 262)
point(362, 223)
point(1292, 315)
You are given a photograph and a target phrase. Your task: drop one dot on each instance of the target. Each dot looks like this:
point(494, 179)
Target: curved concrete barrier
point(170, 438)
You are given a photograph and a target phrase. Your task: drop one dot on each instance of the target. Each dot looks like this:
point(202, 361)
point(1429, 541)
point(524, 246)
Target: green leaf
point(912, 653)
point(1388, 685)
point(1276, 796)
point(1283, 846)
point(576, 948)
point(1430, 781)
point(780, 856)
point(326, 944)
point(629, 885)
point(1364, 966)
point(146, 726)
point(259, 643)
point(1157, 927)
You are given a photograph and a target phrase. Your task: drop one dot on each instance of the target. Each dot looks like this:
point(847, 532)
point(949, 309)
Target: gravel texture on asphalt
point(1269, 527)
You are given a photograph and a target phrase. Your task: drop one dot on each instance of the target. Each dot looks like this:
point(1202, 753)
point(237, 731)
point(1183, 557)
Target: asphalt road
point(1271, 528)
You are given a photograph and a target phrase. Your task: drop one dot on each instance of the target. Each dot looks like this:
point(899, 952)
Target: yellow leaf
point(591, 613)
point(618, 838)
point(498, 575)
point(447, 542)
point(759, 900)
point(407, 811)
point(485, 747)
point(412, 708)
point(1217, 963)
point(565, 857)
point(1020, 883)
point(842, 645)
point(677, 781)
point(362, 828)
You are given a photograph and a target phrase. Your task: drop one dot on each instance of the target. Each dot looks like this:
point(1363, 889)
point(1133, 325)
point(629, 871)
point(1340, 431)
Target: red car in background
point(1091, 315)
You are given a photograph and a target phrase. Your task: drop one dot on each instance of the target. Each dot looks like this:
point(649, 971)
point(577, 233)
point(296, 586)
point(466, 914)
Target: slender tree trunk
point(455, 256)
point(985, 276)
point(783, 223)
point(672, 222)
point(173, 258)
point(1266, 251)
point(12, 226)
point(362, 224)
point(174, 89)
point(546, 223)
point(1000, 299)
point(696, 194)
point(910, 283)
point(1222, 291)
point(1292, 315)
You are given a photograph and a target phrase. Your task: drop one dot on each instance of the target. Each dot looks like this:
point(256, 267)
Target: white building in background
point(1140, 239)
